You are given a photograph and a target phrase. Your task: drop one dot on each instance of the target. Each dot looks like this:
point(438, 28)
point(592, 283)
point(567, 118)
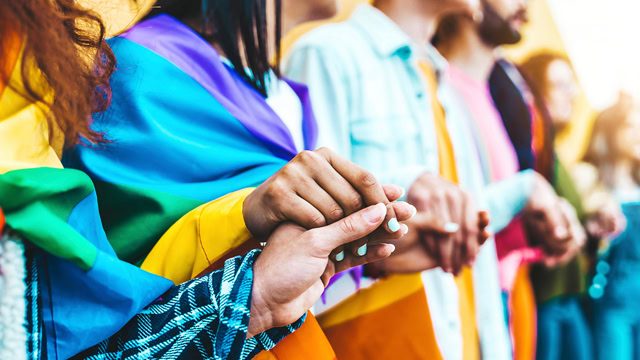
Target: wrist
point(260, 316)
point(248, 214)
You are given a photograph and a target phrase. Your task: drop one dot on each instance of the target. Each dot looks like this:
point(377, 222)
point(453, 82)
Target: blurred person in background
point(357, 84)
point(470, 47)
point(563, 331)
point(615, 151)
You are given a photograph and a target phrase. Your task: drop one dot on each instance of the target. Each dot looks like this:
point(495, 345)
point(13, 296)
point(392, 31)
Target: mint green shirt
point(368, 95)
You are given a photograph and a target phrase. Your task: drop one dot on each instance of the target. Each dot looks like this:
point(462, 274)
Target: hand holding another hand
point(293, 269)
point(448, 223)
point(318, 188)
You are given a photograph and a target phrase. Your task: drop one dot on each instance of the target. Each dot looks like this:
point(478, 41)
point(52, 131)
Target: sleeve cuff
point(507, 198)
point(237, 278)
point(269, 339)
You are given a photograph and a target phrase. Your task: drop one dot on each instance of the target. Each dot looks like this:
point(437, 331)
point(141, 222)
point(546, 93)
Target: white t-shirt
point(284, 101)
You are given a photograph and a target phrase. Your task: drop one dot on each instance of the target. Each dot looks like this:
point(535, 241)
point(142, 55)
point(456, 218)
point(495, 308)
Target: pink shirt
point(511, 242)
point(502, 155)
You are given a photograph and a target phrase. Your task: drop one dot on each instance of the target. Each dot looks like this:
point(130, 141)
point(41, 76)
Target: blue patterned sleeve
point(204, 318)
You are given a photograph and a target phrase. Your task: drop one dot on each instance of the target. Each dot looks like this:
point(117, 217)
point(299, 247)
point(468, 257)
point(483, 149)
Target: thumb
point(351, 228)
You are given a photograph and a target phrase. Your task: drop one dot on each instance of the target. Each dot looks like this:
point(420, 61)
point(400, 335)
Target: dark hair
point(66, 62)
point(238, 27)
point(448, 27)
point(493, 29)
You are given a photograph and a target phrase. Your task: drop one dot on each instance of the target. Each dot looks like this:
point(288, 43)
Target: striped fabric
point(205, 318)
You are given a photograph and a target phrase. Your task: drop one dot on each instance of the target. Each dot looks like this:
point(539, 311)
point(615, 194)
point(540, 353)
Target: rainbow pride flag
point(185, 130)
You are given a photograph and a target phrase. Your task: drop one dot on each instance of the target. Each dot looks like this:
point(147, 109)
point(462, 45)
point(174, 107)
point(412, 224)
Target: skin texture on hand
point(294, 267)
point(412, 253)
point(318, 188)
point(553, 222)
point(447, 222)
point(606, 221)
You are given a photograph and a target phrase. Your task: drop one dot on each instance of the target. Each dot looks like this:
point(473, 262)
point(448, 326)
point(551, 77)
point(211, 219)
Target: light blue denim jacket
point(368, 95)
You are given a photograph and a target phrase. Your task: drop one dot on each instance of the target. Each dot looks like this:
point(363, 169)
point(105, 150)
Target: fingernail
point(561, 232)
point(375, 213)
point(362, 250)
point(414, 211)
point(394, 225)
point(405, 229)
point(403, 192)
point(340, 255)
point(451, 227)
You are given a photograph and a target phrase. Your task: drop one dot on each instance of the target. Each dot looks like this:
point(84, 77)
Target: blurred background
point(597, 37)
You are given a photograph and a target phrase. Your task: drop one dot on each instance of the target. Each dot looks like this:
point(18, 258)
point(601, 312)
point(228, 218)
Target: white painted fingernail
point(451, 227)
point(340, 256)
point(362, 250)
point(405, 229)
point(403, 192)
point(414, 211)
point(394, 225)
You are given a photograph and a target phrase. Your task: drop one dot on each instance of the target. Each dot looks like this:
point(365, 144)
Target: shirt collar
point(385, 36)
point(439, 63)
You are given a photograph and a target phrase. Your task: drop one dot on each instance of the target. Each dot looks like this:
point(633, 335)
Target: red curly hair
point(65, 44)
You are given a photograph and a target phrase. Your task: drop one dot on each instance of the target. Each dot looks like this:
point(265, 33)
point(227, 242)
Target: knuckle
point(307, 156)
point(355, 201)
point(317, 220)
point(324, 151)
point(289, 171)
point(366, 179)
point(336, 213)
point(277, 189)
